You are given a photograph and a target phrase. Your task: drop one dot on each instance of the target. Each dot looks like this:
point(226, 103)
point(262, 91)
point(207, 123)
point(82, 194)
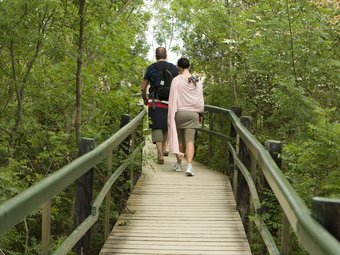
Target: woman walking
point(186, 104)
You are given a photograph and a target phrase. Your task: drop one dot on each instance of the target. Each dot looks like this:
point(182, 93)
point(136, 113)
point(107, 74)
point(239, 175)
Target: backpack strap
point(159, 66)
point(154, 89)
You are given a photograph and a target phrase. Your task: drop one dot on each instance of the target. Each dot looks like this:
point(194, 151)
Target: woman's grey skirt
point(187, 119)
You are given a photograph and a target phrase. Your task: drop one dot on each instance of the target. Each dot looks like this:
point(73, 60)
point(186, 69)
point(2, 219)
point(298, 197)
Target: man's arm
point(143, 88)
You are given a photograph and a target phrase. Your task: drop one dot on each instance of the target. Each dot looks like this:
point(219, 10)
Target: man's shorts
point(186, 135)
point(159, 135)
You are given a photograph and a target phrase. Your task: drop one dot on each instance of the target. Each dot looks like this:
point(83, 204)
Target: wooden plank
point(169, 213)
point(167, 252)
point(198, 238)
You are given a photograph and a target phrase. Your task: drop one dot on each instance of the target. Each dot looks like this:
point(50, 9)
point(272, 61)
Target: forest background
point(68, 69)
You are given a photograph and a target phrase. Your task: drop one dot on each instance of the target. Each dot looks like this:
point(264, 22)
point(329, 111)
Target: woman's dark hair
point(183, 63)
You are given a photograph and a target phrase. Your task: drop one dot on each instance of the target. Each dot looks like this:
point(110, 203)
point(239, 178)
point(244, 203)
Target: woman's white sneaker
point(176, 167)
point(189, 171)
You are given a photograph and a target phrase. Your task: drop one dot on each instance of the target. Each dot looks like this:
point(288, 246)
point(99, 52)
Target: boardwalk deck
point(169, 213)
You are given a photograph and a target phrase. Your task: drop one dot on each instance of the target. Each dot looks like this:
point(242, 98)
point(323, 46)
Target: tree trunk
point(231, 57)
point(81, 12)
point(19, 96)
point(291, 40)
point(19, 87)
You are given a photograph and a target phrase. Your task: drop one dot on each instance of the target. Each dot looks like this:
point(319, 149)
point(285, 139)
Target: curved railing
point(16, 209)
point(241, 145)
point(311, 235)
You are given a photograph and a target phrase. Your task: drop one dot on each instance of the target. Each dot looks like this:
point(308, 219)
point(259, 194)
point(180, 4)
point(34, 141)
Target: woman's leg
point(189, 143)
point(180, 134)
point(165, 144)
point(190, 151)
point(177, 165)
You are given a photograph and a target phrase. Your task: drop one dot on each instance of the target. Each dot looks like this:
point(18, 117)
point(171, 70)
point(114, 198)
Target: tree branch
point(121, 10)
point(291, 40)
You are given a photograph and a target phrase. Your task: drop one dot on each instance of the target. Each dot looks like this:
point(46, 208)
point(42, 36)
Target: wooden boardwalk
point(169, 213)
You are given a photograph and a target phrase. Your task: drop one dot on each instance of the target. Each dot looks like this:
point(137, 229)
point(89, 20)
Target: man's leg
point(157, 138)
point(165, 152)
point(159, 146)
point(165, 137)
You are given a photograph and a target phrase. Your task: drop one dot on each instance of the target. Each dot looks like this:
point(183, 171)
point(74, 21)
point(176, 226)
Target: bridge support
point(211, 128)
point(243, 196)
point(233, 133)
point(84, 198)
point(327, 212)
point(126, 147)
point(46, 228)
point(275, 149)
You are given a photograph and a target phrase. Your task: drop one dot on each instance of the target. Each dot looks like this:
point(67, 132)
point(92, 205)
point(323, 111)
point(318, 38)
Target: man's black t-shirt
point(158, 115)
point(160, 64)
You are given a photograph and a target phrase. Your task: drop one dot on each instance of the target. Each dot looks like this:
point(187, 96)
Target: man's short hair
point(160, 53)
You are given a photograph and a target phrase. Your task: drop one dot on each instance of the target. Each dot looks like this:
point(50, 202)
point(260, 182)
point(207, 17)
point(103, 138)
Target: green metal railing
point(311, 235)
point(16, 209)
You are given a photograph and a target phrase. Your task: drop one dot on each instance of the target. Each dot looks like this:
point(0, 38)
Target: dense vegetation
point(43, 58)
point(279, 61)
point(61, 78)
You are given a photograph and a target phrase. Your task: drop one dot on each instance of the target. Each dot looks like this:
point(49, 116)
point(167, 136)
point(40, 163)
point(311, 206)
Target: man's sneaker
point(189, 171)
point(176, 167)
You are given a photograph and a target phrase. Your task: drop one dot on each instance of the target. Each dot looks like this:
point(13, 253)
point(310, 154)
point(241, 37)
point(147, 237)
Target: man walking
point(159, 75)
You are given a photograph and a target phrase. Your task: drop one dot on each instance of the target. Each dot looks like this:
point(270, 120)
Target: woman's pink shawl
point(184, 96)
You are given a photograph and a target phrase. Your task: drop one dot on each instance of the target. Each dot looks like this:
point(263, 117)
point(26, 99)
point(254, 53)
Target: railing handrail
point(313, 237)
point(16, 209)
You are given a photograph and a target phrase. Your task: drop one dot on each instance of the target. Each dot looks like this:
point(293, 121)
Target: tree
point(39, 48)
point(21, 45)
point(81, 12)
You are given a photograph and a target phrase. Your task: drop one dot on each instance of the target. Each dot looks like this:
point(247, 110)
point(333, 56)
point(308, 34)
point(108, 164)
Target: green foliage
point(278, 60)
point(7, 178)
point(38, 57)
point(291, 112)
point(312, 163)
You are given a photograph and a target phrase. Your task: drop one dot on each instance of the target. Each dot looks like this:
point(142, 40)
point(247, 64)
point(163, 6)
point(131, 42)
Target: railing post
point(140, 139)
point(243, 195)
point(233, 134)
point(132, 170)
point(211, 127)
point(126, 146)
point(84, 198)
point(285, 235)
point(327, 212)
point(46, 228)
point(108, 198)
point(253, 169)
point(221, 126)
point(275, 149)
